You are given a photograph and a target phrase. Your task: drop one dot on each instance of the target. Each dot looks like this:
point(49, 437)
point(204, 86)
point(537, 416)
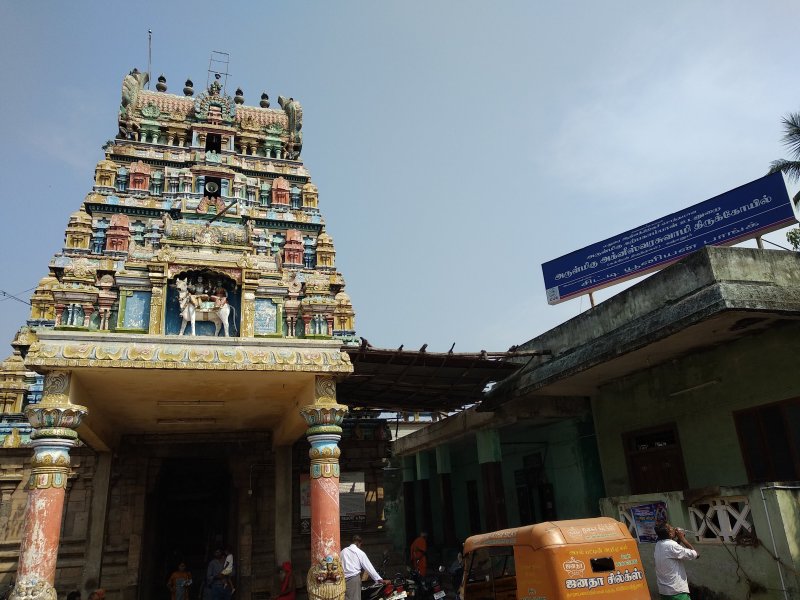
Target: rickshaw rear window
point(601, 565)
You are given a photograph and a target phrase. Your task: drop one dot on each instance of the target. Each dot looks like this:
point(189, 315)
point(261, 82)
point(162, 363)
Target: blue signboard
point(744, 213)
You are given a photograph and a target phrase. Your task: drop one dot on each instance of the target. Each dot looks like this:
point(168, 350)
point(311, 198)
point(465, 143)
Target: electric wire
point(8, 296)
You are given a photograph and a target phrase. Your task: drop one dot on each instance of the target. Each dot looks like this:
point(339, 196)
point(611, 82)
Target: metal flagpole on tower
point(149, 56)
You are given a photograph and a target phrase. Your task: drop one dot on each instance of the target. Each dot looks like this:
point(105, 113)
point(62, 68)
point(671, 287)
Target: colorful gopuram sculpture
point(202, 221)
point(203, 193)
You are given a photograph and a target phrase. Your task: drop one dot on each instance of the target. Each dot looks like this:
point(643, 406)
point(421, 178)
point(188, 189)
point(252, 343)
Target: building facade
point(676, 397)
point(694, 404)
point(182, 353)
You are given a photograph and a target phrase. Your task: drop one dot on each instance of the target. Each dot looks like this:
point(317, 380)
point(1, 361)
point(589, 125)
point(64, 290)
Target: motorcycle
point(394, 590)
point(428, 587)
point(376, 590)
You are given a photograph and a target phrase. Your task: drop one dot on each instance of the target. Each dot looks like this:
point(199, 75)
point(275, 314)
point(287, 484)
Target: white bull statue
point(193, 308)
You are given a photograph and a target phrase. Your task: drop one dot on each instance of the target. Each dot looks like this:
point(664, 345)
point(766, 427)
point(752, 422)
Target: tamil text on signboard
point(746, 212)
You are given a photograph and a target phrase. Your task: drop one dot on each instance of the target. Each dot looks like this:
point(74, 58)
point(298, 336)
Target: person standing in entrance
point(215, 579)
point(354, 560)
point(179, 583)
point(227, 570)
point(672, 547)
point(419, 553)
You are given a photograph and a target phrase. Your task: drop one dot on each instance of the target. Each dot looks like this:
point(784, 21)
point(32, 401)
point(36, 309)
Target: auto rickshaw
point(555, 560)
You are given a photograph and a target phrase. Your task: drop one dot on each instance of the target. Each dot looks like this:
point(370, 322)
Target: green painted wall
point(570, 460)
point(464, 464)
point(752, 371)
point(571, 465)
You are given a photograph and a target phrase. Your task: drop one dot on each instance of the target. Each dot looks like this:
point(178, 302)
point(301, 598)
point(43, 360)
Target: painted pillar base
point(326, 580)
point(33, 588)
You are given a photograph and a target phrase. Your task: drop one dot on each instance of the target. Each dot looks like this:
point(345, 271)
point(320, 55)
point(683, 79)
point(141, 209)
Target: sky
point(457, 145)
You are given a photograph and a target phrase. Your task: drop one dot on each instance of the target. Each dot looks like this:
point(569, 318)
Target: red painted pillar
point(324, 480)
point(324, 417)
point(54, 421)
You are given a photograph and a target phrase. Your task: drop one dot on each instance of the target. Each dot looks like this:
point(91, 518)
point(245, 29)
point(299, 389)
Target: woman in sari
point(419, 553)
point(287, 582)
point(179, 582)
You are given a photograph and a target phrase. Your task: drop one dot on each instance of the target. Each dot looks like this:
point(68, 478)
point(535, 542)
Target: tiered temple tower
point(208, 191)
point(196, 295)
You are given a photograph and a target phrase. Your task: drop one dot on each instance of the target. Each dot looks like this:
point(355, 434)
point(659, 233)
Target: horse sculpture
point(193, 308)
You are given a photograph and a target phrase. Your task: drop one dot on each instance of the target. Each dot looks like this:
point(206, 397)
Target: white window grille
point(722, 519)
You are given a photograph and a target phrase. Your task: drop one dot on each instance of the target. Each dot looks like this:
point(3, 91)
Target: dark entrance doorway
point(190, 514)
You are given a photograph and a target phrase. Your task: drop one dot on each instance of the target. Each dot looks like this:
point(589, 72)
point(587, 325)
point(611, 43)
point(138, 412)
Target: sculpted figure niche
point(204, 297)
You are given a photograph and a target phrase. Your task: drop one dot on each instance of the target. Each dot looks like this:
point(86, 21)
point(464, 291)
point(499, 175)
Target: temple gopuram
point(183, 350)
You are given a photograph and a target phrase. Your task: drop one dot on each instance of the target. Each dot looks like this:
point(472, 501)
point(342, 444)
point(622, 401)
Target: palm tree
point(790, 168)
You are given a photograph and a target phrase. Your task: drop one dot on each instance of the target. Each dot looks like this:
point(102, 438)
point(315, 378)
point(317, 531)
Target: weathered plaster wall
point(735, 571)
point(703, 284)
point(787, 504)
point(751, 371)
point(571, 465)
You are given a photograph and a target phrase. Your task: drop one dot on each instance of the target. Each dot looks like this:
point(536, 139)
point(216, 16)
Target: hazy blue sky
point(456, 145)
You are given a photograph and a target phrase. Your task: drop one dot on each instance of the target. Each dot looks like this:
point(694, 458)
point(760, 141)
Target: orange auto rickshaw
point(555, 560)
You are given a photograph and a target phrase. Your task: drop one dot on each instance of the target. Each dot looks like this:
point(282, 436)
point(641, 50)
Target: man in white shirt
point(671, 548)
point(354, 560)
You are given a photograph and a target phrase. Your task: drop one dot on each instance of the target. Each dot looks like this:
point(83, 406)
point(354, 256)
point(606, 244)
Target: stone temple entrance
point(190, 513)
point(201, 211)
point(179, 497)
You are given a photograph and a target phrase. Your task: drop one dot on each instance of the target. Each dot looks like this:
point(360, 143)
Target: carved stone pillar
point(54, 421)
point(60, 306)
point(88, 310)
point(247, 325)
point(329, 320)
point(324, 418)
point(158, 280)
